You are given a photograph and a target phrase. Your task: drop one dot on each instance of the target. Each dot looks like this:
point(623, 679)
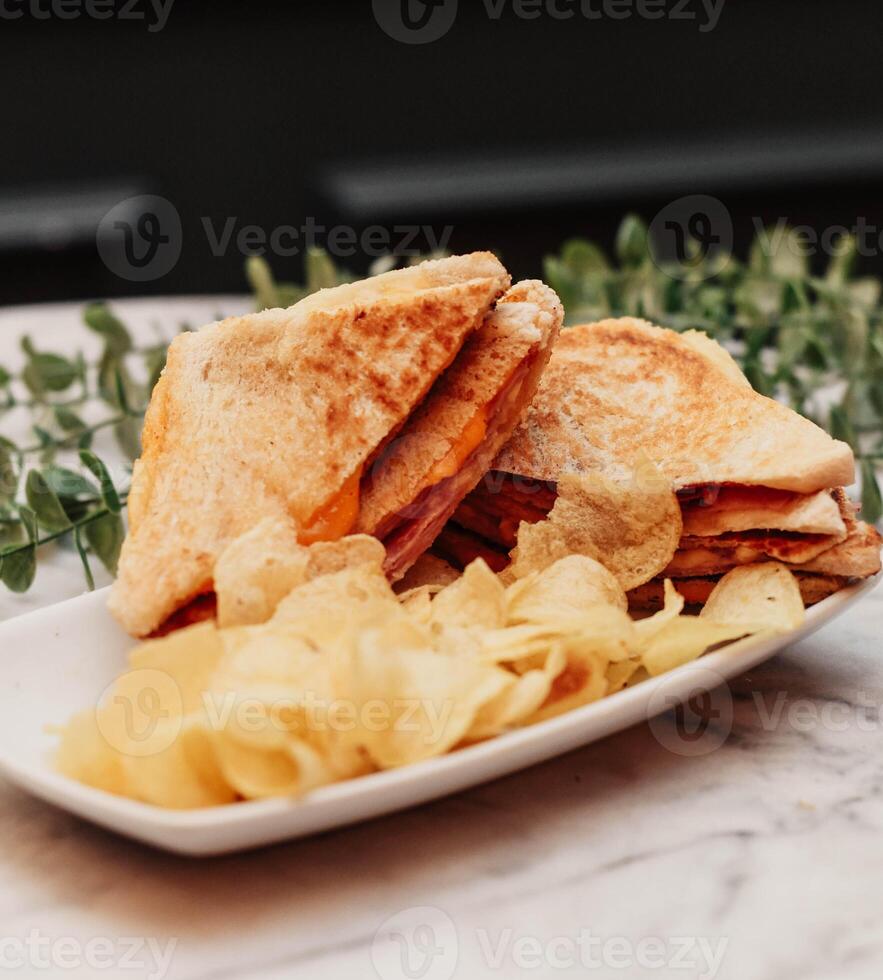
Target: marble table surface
point(743, 851)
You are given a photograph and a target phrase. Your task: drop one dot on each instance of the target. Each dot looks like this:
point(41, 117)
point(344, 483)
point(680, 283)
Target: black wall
point(254, 110)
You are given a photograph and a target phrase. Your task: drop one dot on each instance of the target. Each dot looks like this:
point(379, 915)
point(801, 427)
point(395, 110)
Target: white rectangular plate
point(56, 662)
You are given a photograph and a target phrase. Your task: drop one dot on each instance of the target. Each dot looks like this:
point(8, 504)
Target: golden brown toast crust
point(267, 415)
point(615, 388)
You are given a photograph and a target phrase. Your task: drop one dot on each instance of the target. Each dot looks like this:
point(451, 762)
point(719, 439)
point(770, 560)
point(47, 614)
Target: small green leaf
point(584, 258)
point(68, 484)
point(155, 361)
point(99, 471)
point(128, 436)
point(872, 502)
point(98, 317)
point(84, 558)
point(632, 245)
point(68, 420)
point(18, 569)
point(760, 380)
point(8, 475)
point(260, 278)
point(45, 503)
point(47, 372)
point(105, 536)
point(321, 272)
point(122, 397)
point(5, 377)
point(840, 426)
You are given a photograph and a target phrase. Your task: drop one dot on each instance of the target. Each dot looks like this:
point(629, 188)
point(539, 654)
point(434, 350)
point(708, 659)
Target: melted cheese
point(470, 439)
point(335, 518)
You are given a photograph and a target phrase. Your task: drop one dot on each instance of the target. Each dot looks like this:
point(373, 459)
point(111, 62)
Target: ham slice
point(406, 536)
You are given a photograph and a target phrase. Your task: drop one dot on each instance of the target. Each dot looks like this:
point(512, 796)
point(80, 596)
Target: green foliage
point(793, 333)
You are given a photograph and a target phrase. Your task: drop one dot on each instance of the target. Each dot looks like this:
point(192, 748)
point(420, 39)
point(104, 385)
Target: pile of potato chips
point(317, 671)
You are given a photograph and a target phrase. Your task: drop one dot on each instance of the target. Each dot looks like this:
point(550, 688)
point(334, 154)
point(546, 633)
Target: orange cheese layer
point(336, 518)
point(470, 439)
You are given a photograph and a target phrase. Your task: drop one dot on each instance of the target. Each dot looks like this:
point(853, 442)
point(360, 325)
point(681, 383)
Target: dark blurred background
point(515, 133)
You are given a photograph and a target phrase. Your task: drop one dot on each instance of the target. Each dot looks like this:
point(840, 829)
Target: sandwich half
point(756, 481)
point(285, 414)
point(447, 445)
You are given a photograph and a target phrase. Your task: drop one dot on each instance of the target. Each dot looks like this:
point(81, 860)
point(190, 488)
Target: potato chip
point(257, 570)
point(582, 681)
point(417, 602)
point(533, 680)
point(760, 596)
point(428, 570)
point(411, 702)
point(182, 773)
point(476, 599)
point(619, 674)
point(322, 609)
point(673, 606)
point(84, 754)
point(563, 590)
point(684, 639)
point(289, 771)
point(633, 528)
point(328, 557)
point(605, 629)
point(187, 658)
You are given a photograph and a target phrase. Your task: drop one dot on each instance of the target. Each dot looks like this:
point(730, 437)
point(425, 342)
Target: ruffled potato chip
point(673, 606)
point(292, 770)
point(583, 680)
point(633, 528)
point(187, 658)
point(521, 699)
point(684, 639)
point(428, 570)
point(182, 772)
point(257, 570)
point(328, 557)
point(411, 702)
point(564, 590)
point(85, 755)
point(327, 606)
point(760, 596)
point(476, 599)
point(619, 674)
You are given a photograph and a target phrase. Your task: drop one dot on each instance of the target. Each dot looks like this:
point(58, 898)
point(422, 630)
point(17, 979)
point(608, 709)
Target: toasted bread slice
point(275, 415)
point(447, 444)
point(619, 387)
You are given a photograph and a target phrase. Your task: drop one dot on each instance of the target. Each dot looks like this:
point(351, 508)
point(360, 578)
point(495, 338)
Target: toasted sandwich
point(290, 413)
point(756, 481)
point(448, 443)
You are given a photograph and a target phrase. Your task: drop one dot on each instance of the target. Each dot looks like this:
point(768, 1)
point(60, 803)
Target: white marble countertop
point(640, 856)
point(760, 859)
